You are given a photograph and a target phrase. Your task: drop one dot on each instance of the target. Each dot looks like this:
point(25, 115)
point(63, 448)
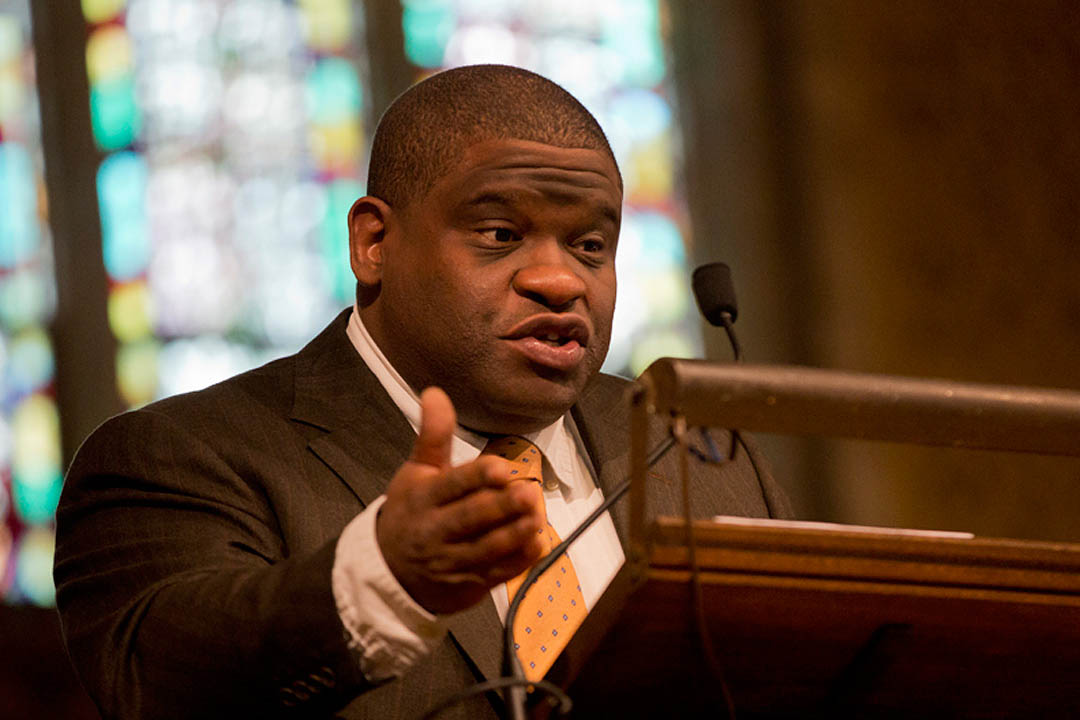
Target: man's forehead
point(504, 170)
point(511, 152)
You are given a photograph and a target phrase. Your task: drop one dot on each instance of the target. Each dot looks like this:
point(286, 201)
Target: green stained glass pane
point(97, 11)
point(121, 195)
point(335, 237)
point(333, 92)
point(114, 113)
point(19, 230)
point(137, 371)
point(428, 25)
point(36, 495)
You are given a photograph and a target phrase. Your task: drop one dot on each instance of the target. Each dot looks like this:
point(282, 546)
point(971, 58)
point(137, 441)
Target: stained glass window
point(234, 138)
point(611, 55)
point(30, 474)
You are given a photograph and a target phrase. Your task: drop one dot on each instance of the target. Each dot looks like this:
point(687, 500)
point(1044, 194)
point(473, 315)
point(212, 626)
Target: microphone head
point(715, 292)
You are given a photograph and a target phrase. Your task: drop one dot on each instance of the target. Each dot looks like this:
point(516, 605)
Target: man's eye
point(501, 236)
point(592, 246)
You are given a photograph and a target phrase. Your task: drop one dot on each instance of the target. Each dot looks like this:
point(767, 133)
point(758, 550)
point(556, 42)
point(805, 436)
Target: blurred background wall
point(895, 186)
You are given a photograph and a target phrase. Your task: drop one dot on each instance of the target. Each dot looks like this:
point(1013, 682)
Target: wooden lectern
point(812, 621)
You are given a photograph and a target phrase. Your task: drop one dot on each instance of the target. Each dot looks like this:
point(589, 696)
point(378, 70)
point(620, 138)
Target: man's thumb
point(437, 423)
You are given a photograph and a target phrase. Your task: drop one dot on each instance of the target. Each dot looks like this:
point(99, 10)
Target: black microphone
point(715, 292)
point(715, 295)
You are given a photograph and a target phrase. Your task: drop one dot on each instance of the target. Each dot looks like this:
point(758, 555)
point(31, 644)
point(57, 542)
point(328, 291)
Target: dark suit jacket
point(196, 536)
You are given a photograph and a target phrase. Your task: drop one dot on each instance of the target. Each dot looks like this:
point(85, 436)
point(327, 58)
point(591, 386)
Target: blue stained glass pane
point(122, 199)
point(633, 33)
point(428, 26)
point(29, 362)
point(642, 113)
point(333, 92)
point(19, 231)
point(662, 243)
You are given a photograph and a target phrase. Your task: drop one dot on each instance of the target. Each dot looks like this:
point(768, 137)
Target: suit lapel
point(600, 416)
point(366, 439)
point(479, 633)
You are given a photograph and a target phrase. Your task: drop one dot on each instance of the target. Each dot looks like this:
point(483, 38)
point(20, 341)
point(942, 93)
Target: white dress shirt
point(388, 630)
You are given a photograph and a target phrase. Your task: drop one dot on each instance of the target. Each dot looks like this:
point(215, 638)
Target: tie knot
point(526, 459)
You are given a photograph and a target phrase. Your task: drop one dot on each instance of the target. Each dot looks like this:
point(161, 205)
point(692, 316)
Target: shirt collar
point(555, 441)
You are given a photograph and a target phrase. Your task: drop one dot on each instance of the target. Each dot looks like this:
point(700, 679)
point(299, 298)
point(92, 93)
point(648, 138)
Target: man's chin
point(519, 415)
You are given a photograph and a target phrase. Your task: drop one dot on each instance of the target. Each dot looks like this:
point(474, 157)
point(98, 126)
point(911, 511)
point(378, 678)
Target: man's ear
point(369, 219)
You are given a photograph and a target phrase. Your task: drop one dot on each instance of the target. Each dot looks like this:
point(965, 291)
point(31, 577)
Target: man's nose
point(550, 283)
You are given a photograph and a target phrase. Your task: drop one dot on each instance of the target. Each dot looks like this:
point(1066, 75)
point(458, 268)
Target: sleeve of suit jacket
point(194, 553)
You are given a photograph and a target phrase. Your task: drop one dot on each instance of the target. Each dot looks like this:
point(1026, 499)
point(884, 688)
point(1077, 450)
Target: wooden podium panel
point(833, 623)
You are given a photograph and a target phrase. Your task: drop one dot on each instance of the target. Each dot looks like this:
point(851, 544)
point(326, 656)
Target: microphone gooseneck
point(715, 295)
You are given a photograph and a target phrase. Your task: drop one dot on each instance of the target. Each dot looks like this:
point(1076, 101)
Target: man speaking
point(339, 531)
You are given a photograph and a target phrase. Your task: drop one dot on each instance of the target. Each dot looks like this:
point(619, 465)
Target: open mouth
point(555, 341)
point(563, 354)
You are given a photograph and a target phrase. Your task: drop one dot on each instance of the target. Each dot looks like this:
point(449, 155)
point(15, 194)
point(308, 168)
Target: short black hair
point(425, 131)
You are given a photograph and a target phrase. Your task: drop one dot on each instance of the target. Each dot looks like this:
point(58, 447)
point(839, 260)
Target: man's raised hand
point(449, 533)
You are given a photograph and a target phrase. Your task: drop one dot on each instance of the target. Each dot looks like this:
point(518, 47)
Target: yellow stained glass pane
point(137, 372)
point(12, 93)
point(327, 24)
point(129, 312)
point(336, 147)
point(36, 427)
point(34, 576)
point(651, 178)
point(99, 11)
point(657, 344)
point(108, 54)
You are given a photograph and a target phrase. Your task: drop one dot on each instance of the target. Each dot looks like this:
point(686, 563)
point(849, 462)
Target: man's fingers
point(457, 482)
point(482, 510)
point(499, 554)
point(437, 422)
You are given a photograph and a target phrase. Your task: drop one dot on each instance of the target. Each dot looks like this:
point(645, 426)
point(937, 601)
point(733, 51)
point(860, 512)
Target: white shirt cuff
point(389, 631)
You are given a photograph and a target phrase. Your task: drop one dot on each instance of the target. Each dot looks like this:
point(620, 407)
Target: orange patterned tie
point(553, 607)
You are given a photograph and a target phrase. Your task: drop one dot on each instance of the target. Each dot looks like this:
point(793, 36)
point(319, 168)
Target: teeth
point(552, 337)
